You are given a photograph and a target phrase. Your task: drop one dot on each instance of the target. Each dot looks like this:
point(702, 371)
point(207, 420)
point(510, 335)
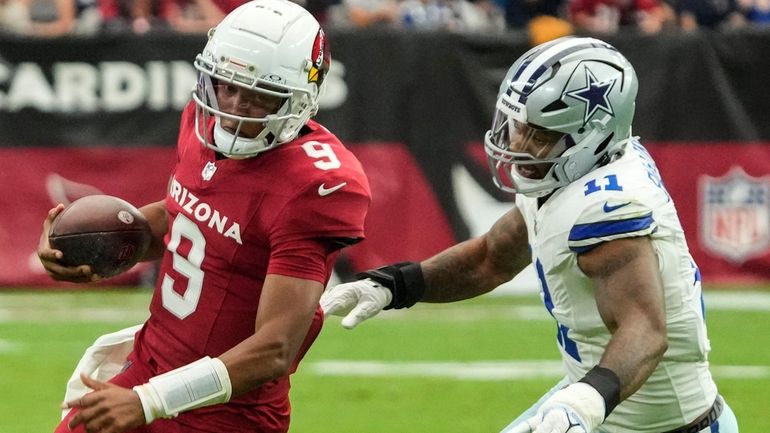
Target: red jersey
point(626, 9)
point(232, 222)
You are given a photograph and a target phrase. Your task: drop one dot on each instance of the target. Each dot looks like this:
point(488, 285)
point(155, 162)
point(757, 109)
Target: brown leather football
point(105, 232)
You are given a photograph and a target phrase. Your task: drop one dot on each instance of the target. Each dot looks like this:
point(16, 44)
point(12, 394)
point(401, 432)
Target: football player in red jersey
point(259, 203)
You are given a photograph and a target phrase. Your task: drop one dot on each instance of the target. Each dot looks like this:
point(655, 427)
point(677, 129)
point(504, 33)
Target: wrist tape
point(607, 383)
point(202, 383)
point(404, 280)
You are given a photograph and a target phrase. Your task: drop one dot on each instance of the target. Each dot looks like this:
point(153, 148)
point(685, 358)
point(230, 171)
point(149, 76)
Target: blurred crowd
point(543, 19)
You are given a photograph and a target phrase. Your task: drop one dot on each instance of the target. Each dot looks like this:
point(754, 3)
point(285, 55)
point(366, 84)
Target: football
point(102, 231)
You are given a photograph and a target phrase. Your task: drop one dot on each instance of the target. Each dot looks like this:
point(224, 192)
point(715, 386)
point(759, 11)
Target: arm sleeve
point(620, 217)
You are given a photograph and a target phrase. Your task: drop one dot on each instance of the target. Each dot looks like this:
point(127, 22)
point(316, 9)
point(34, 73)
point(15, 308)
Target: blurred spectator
point(138, 15)
point(50, 18)
point(14, 16)
point(712, 14)
point(444, 15)
point(318, 8)
point(518, 13)
point(427, 14)
point(543, 19)
point(546, 28)
point(607, 16)
point(364, 13)
point(197, 16)
point(186, 16)
point(478, 16)
point(757, 11)
point(452, 15)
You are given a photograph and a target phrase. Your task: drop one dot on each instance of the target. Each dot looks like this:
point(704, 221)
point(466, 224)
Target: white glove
point(577, 408)
point(357, 301)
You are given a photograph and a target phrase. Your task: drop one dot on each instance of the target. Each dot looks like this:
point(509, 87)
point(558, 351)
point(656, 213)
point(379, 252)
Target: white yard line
point(740, 301)
point(8, 346)
point(468, 313)
point(48, 314)
point(487, 370)
point(29, 309)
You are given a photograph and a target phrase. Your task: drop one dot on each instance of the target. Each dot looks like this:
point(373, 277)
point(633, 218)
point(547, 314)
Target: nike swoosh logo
point(607, 208)
point(323, 191)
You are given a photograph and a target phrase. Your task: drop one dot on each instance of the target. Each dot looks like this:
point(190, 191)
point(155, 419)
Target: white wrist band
point(150, 402)
point(202, 383)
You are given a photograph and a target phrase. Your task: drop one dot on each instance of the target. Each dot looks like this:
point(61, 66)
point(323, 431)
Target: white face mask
point(531, 142)
point(228, 140)
point(233, 146)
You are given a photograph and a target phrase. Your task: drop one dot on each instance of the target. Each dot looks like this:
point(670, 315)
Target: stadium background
point(80, 116)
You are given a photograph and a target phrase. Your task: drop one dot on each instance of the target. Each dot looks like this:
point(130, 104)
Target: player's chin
point(246, 131)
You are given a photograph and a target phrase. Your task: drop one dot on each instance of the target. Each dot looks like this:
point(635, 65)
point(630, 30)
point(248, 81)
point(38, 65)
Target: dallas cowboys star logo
point(594, 94)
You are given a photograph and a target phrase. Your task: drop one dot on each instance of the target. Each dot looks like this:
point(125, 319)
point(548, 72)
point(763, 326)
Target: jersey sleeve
point(315, 224)
point(615, 217)
point(311, 259)
point(320, 211)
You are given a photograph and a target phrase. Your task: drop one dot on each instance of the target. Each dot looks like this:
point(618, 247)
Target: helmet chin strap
point(227, 142)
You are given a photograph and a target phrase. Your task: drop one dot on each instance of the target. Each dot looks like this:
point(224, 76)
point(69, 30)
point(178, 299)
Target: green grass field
point(435, 369)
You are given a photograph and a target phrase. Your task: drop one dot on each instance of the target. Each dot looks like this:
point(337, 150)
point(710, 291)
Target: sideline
point(488, 370)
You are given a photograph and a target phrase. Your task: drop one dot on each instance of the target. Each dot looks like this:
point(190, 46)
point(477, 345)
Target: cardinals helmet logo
point(320, 58)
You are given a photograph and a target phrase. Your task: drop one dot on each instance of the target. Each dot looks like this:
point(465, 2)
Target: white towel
point(103, 360)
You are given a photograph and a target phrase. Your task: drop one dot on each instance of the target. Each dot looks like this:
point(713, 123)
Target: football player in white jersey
point(593, 216)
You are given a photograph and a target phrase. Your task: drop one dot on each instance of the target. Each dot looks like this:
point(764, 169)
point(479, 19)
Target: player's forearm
point(466, 270)
point(476, 266)
point(156, 216)
point(633, 353)
point(258, 360)
point(286, 312)
point(461, 272)
point(209, 381)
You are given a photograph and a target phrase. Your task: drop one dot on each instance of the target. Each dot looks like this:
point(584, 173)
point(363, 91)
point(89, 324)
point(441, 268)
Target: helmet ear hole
point(604, 144)
point(555, 106)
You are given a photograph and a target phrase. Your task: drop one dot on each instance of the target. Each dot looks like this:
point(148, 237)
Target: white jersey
point(624, 198)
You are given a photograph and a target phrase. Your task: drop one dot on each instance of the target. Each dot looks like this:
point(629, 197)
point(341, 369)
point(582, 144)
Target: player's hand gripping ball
point(102, 231)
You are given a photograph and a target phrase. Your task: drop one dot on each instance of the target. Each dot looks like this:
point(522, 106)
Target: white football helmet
point(565, 106)
point(273, 47)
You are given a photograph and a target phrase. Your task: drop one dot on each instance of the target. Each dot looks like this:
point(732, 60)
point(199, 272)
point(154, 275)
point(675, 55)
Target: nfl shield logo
point(735, 215)
point(208, 171)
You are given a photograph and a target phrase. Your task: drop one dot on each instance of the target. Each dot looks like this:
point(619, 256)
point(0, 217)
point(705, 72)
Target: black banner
point(428, 90)
point(400, 99)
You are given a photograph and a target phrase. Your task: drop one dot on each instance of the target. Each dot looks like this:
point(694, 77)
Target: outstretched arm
point(463, 271)
point(478, 265)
